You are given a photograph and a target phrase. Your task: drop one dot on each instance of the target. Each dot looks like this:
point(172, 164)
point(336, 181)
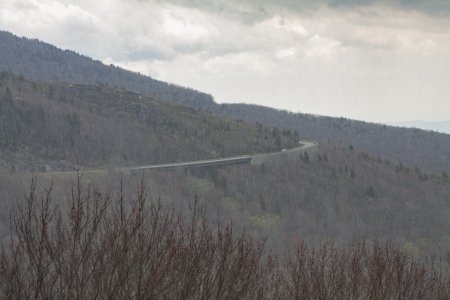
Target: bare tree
point(104, 249)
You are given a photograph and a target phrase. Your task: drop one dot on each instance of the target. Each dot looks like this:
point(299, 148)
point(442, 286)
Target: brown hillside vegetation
point(103, 247)
point(336, 193)
point(40, 61)
point(61, 125)
point(37, 60)
point(426, 149)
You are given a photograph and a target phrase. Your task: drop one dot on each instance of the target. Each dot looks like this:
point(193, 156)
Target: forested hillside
point(336, 193)
point(40, 61)
point(127, 247)
point(44, 62)
point(57, 126)
point(425, 149)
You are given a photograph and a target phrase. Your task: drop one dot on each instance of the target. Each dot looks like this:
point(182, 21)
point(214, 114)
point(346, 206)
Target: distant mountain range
point(39, 61)
point(443, 126)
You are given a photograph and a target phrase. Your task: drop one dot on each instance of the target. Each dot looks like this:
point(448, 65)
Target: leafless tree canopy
point(104, 247)
point(118, 249)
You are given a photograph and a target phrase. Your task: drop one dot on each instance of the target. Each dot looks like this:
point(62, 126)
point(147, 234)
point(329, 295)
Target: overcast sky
point(379, 61)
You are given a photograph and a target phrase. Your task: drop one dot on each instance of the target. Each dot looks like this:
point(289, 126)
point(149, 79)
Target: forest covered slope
point(366, 181)
point(336, 193)
point(60, 125)
point(40, 61)
point(425, 149)
point(44, 62)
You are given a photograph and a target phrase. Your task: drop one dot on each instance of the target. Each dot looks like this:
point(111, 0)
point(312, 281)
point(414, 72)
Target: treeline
point(110, 247)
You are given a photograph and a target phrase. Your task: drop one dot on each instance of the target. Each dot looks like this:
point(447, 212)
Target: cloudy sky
point(379, 61)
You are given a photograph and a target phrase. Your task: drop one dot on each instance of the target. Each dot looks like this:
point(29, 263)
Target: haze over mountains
point(60, 110)
point(442, 126)
point(40, 61)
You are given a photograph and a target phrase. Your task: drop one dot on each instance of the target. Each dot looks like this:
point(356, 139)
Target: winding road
point(234, 160)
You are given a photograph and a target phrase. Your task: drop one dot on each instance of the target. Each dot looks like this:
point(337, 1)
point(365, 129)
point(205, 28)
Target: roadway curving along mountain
point(40, 61)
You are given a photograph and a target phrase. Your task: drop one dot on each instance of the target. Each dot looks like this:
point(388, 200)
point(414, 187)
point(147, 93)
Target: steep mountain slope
point(61, 124)
point(37, 60)
point(41, 61)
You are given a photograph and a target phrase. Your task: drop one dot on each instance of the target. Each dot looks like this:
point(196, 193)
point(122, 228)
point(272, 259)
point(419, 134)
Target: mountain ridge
point(62, 124)
point(40, 61)
point(438, 126)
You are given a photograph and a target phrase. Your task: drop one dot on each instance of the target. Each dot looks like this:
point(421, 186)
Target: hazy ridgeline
point(415, 147)
point(36, 60)
point(102, 246)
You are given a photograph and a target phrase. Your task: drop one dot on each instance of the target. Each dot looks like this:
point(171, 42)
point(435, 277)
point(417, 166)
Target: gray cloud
point(250, 11)
point(373, 60)
point(147, 54)
point(436, 7)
